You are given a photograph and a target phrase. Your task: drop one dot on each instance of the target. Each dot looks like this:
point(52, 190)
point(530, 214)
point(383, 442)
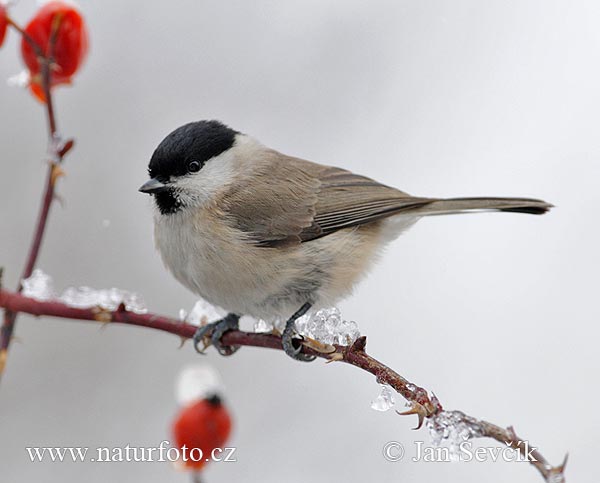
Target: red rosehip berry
point(205, 425)
point(3, 23)
point(63, 22)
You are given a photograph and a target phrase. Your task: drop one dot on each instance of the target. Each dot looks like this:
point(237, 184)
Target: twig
point(422, 404)
point(37, 49)
point(56, 153)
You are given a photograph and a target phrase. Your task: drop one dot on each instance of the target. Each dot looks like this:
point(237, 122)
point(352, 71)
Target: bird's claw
point(213, 332)
point(287, 338)
point(293, 348)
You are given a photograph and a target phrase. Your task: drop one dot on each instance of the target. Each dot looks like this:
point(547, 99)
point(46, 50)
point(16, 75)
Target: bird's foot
point(293, 346)
point(211, 334)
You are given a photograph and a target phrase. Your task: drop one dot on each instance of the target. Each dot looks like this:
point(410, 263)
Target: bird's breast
point(214, 261)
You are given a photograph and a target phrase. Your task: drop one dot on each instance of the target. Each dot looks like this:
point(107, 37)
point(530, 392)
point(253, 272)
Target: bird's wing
point(289, 200)
point(346, 199)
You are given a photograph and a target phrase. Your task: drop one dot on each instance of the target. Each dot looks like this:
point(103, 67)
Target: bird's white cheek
point(203, 186)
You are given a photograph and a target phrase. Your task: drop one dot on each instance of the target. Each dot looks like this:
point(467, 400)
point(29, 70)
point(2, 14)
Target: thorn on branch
point(419, 410)
point(359, 344)
point(436, 403)
point(560, 470)
point(102, 315)
point(65, 148)
point(182, 341)
point(3, 357)
point(317, 346)
point(335, 357)
point(57, 172)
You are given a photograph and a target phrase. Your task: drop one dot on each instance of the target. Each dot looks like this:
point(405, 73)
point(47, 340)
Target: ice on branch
point(555, 478)
point(201, 314)
point(197, 381)
point(262, 326)
point(455, 427)
point(325, 325)
point(40, 286)
point(385, 401)
point(328, 326)
point(109, 299)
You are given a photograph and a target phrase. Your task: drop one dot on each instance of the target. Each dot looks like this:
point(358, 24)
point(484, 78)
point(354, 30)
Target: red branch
point(56, 153)
point(422, 404)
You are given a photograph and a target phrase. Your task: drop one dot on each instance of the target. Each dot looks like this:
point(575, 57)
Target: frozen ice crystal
point(202, 312)
point(261, 325)
point(41, 287)
point(109, 299)
point(556, 478)
point(385, 401)
point(328, 326)
point(453, 426)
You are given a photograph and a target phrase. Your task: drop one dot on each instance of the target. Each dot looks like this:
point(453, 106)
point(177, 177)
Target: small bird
point(260, 233)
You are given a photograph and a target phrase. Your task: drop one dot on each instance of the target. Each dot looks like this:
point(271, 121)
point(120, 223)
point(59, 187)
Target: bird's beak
point(153, 186)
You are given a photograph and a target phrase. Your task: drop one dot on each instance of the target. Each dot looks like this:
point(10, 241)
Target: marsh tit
point(260, 233)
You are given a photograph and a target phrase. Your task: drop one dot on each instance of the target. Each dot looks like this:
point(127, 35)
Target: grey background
point(497, 314)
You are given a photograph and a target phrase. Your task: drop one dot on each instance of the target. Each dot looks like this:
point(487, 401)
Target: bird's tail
point(465, 205)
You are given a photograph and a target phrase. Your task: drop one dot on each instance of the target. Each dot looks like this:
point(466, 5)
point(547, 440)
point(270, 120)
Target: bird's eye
point(194, 167)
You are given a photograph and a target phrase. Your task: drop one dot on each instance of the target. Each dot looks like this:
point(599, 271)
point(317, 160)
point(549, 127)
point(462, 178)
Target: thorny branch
point(422, 404)
point(56, 152)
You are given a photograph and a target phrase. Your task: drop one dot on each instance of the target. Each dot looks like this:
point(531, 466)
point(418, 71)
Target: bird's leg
point(287, 340)
point(216, 330)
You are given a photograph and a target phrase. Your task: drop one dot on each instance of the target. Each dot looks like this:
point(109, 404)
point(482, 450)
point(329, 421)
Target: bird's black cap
point(196, 141)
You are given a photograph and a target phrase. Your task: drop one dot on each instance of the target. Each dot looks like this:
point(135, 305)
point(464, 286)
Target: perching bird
point(260, 233)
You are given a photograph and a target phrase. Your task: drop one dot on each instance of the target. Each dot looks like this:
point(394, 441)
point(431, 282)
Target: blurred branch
point(56, 151)
point(422, 404)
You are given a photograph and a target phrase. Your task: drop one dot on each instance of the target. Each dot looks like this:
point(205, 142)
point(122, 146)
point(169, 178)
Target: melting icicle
point(385, 401)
